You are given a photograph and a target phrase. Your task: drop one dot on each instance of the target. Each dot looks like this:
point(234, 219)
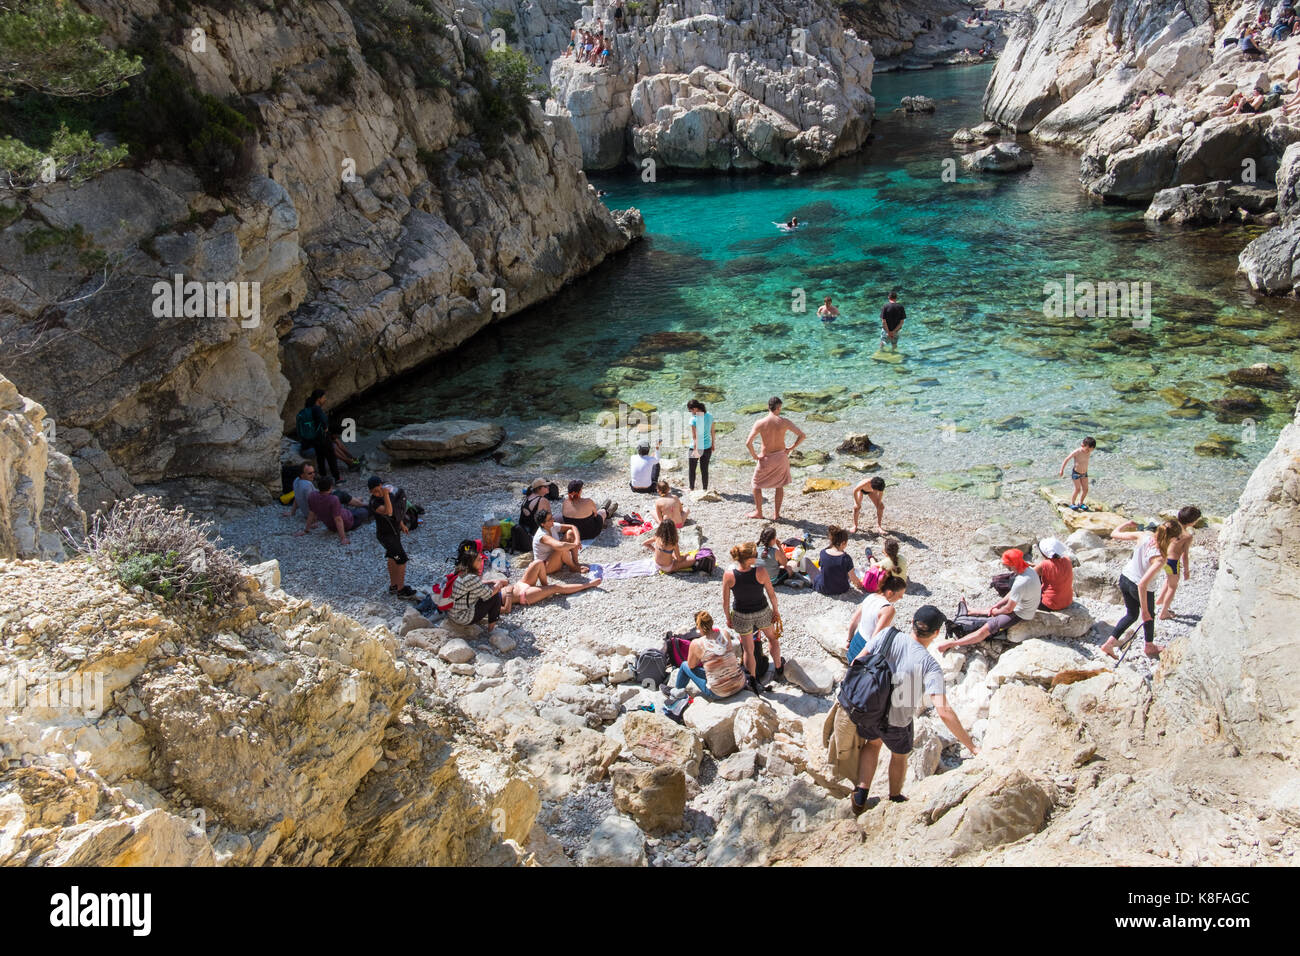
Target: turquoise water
point(970, 258)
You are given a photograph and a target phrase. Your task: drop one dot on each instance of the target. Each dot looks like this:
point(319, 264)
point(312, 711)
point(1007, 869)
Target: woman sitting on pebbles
point(776, 562)
point(834, 571)
point(535, 587)
point(892, 562)
point(755, 606)
point(668, 556)
point(711, 663)
point(1138, 579)
point(472, 598)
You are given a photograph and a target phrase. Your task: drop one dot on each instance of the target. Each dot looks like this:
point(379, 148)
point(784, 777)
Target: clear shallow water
point(970, 259)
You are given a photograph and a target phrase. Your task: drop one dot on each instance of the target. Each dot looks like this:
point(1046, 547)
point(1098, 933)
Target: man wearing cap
point(583, 514)
point(1020, 604)
point(1056, 574)
point(918, 682)
point(643, 469)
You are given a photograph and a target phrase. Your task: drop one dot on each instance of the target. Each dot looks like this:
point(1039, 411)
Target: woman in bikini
point(1177, 561)
point(668, 556)
point(535, 587)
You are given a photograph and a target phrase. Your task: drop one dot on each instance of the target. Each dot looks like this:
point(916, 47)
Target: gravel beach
point(935, 530)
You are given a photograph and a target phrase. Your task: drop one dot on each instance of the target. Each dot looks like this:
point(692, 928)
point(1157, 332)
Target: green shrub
point(52, 48)
point(402, 34)
point(76, 157)
point(167, 552)
point(504, 20)
point(165, 116)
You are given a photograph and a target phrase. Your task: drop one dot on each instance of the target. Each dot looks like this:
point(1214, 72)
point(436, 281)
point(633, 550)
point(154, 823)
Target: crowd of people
point(743, 650)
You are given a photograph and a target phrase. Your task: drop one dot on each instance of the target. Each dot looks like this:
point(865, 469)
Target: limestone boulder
point(758, 814)
point(442, 440)
point(810, 676)
point(998, 158)
point(655, 797)
point(1036, 662)
point(657, 740)
point(617, 841)
point(1207, 203)
point(1072, 623)
point(714, 722)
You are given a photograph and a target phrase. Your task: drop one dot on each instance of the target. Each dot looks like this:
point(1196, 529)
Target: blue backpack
point(867, 688)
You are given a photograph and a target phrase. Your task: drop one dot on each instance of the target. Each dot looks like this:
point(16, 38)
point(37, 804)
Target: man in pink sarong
point(773, 468)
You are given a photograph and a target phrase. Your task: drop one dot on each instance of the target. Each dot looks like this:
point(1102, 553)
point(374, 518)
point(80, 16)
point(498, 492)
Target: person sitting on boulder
point(668, 507)
point(1249, 45)
point(1020, 604)
point(1056, 572)
point(711, 663)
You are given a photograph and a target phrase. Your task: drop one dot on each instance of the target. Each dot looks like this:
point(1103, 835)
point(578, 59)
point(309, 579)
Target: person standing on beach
point(388, 529)
point(891, 321)
point(701, 442)
point(773, 468)
point(313, 426)
point(873, 488)
point(1079, 472)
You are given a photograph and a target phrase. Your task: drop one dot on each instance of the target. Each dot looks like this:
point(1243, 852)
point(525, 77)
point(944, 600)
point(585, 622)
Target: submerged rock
point(998, 158)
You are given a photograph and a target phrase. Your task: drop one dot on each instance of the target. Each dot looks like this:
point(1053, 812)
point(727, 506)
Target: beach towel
point(637, 529)
point(624, 569)
point(773, 471)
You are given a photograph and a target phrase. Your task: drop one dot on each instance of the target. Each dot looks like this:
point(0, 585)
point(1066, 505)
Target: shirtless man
point(828, 312)
point(1079, 472)
point(773, 468)
point(668, 507)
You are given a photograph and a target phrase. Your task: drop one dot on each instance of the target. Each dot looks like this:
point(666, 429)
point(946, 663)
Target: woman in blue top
point(835, 568)
point(701, 441)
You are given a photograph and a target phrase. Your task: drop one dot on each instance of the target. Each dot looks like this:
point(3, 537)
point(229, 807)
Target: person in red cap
point(1020, 604)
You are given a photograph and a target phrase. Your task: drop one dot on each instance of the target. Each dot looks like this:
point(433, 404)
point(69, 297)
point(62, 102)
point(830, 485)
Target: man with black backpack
point(313, 427)
point(888, 684)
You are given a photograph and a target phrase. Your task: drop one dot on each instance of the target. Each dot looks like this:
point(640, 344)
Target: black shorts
point(897, 739)
point(393, 549)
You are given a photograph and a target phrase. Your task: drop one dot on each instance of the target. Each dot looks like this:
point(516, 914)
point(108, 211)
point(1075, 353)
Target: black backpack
point(867, 688)
point(651, 667)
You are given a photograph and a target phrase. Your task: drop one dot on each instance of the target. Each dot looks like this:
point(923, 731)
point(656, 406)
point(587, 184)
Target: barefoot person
point(1178, 561)
point(668, 556)
point(892, 316)
point(773, 468)
point(557, 552)
point(749, 589)
point(918, 681)
point(828, 312)
point(1079, 472)
point(873, 489)
point(535, 587)
point(668, 507)
point(1138, 580)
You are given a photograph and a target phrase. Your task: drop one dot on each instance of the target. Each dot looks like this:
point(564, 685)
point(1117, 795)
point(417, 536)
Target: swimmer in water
point(793, 223)
point(828, 312)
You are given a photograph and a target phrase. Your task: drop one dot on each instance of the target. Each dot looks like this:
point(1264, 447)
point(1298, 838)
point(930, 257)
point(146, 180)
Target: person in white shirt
point(1020, 604)
point(643, 468)
point(1137, 581)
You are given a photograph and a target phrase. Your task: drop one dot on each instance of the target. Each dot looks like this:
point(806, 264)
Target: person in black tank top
point(754, 609)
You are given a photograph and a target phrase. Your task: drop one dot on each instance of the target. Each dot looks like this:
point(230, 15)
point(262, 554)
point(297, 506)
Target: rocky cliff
point(1090, 75)
point(38, 485)
point(395, 202)
point(722, 84)
point(141, 732)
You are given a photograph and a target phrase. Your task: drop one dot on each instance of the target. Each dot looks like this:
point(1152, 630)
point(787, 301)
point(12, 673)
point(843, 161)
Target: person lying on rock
point(918, 682)
point(557, 552)
point(1020, 604)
